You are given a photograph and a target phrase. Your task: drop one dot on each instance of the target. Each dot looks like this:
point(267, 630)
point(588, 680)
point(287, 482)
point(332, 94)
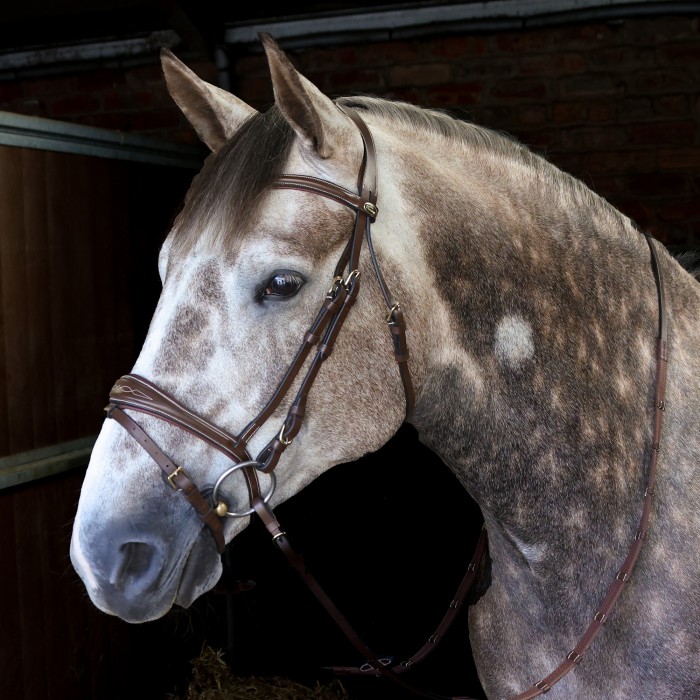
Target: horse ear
point(313, 116)
point(213, 113)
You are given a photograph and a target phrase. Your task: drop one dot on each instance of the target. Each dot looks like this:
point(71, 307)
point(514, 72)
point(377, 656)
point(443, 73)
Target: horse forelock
point(225, 196)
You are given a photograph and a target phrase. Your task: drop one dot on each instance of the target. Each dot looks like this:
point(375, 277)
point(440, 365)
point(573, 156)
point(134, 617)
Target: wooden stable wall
point(79, 235)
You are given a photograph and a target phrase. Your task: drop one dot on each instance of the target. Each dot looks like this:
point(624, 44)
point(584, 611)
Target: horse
point(541, 345)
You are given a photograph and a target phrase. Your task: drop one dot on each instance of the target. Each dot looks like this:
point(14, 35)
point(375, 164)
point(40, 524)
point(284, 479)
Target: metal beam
point(415, 20)
point(47, 461)
point(50, 135)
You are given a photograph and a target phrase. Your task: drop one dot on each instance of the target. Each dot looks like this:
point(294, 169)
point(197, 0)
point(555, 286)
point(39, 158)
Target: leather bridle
point(139, 394)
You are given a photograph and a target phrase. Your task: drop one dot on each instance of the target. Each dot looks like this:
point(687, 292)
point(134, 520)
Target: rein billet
point(139, 394)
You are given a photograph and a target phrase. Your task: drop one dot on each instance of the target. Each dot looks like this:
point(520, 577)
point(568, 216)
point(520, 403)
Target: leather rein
point(139, 394)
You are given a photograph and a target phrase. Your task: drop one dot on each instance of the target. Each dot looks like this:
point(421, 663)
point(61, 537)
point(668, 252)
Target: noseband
point(138, 394)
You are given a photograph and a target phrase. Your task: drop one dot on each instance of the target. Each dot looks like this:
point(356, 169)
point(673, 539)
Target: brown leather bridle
point(139, 394)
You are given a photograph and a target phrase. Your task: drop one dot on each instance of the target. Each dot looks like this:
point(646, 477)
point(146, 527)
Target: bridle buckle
point(171, 478)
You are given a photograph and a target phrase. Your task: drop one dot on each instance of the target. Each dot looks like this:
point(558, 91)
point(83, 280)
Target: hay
point(212, 679)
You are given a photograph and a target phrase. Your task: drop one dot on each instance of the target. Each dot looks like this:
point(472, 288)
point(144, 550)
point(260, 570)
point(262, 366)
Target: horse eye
point(282, 285)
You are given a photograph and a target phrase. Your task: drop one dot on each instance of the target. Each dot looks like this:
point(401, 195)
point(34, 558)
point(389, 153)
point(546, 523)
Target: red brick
point(685, 56)
point(633, 108)
point(73, 105)
point(591, 84)
point(599, 112)
point(423, 74)
point(97, 80)
point(114, 121)
point(591, 139)
point(521, 42)
point(251, 65)
point(28, 105)
point(663, 133)
point(656, 184)
point(458, 46)
point(679, 158)
point(48, 87)
point(621, 58)
point(326, 59)
point(663, 81)
point(451, 95)
point(254, 89)
point(10, 91)
point(568, 112)
point(659, 30)
point(583, 36)
point(677, 209)
point(552, 64)
point(514, 88)
point(118, 100)
point(532, 114)
point(155, 120)
point(390, 53)
point(498, 68)
point(144, 74)
point(206, 70)
point(672, 105)
point(620, 161)
point(354, 80)
point(692, 239)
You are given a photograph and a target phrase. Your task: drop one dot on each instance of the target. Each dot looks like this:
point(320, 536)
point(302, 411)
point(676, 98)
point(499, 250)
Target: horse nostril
point(136, 567)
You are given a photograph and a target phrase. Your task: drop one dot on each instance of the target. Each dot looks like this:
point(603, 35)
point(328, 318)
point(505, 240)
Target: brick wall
point(615, 104)
point(132, 98)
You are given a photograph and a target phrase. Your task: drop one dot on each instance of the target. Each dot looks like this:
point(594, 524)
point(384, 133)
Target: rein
point(139, 394)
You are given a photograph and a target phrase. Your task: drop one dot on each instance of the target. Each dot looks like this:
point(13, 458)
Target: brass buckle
point(351, 278)
point(390, 316)
point(371, 209)
point(172, 476)
point(283, 439)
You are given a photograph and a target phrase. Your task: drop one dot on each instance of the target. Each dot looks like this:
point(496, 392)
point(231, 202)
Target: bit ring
point(228, 472)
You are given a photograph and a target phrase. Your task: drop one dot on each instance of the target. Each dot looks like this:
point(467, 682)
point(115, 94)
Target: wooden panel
point(54, 644)
point(78, 284)
point(40, 347)
point(14, 287)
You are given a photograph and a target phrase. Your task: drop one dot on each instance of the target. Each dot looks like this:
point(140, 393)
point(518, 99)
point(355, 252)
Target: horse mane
point(224, 197)
point(495, 145)
point(690, 261)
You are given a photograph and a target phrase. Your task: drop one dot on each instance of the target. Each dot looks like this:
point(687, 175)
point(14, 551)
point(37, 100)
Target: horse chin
point(201, 572)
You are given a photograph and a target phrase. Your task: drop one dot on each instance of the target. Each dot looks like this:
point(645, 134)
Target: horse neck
point(539, 383)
